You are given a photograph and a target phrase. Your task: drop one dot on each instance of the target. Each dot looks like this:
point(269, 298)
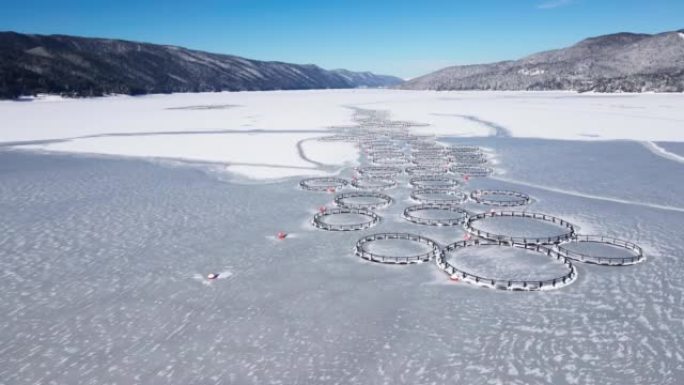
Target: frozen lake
point(102, 262)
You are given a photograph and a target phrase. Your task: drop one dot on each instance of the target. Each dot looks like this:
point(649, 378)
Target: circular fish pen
point(431, 162)
point(322, 183)
point(396, 248)
point(345, 219)
point(386, 154)
point(463, 149)
point(338, 138)
point(363, 200)
point(509, 267)
point(380, 171)
point(433, 151)
point(601, 250)
point(431, 214)
point(373, 183)
point(439, 196)
point(426, 170)
point(427, 149)
point(428, 154)
point(474, 171)
point(469, 158)
point(434, 181)
point(520, 227)
point(501, 198)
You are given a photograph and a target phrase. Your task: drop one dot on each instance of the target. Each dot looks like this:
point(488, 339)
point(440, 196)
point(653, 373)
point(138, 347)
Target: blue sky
point(403, 38)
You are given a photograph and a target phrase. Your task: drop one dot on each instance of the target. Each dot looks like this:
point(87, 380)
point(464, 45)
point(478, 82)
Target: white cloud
point(551, 4)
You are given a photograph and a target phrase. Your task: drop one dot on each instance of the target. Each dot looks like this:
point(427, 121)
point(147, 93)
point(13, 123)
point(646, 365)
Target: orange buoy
point(212, 276)
point(454, 278)
point(282, 235)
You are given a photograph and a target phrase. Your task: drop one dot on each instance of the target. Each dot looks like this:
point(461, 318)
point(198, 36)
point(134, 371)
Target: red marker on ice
point(282, 235)
point(322, 209)
point(331, 190)
point(466, 177)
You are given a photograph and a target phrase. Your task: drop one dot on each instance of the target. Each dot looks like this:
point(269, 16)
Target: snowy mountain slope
point(618, 62)
point(78, 66)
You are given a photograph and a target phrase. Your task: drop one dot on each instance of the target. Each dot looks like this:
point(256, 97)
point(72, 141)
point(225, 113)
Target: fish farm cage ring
point(501, 198)
point(473, 171)
point(566, 277)
point(363, 200)
point(567, 229)
point(431, 162)
point(427, 145)
point(635, 252)
point(429, 155)
point(381, 150)
point(450, 215)
point(439, 196)
point(389, 161)
point(434, 181)
point(433, 149)
point(465, 155)
point(374, 183)
point(339, 219)
point(426, 170)
point(418, 137)
point(380, 171)
point(394, 153)
point(463, 149)
point(430, 249)
point(436, 149)
point(469, 158)
point(338, 138)
point(386, 155)
point(322, 183)
point(377, 144)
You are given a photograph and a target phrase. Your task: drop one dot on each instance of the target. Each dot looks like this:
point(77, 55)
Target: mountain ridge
point(85, 66)
point(619, 62)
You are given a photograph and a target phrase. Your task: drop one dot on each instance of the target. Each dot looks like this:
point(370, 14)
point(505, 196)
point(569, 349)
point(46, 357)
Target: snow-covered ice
point(103, 258)
point(223, 127)
point(257, 156)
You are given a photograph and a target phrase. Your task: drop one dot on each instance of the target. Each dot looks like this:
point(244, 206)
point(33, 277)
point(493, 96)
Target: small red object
point(454, 278)
point(466, 237)
point(466, 177)
point(322, 209)
point(212, 276)
point(331, 189)
point(282, 235)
